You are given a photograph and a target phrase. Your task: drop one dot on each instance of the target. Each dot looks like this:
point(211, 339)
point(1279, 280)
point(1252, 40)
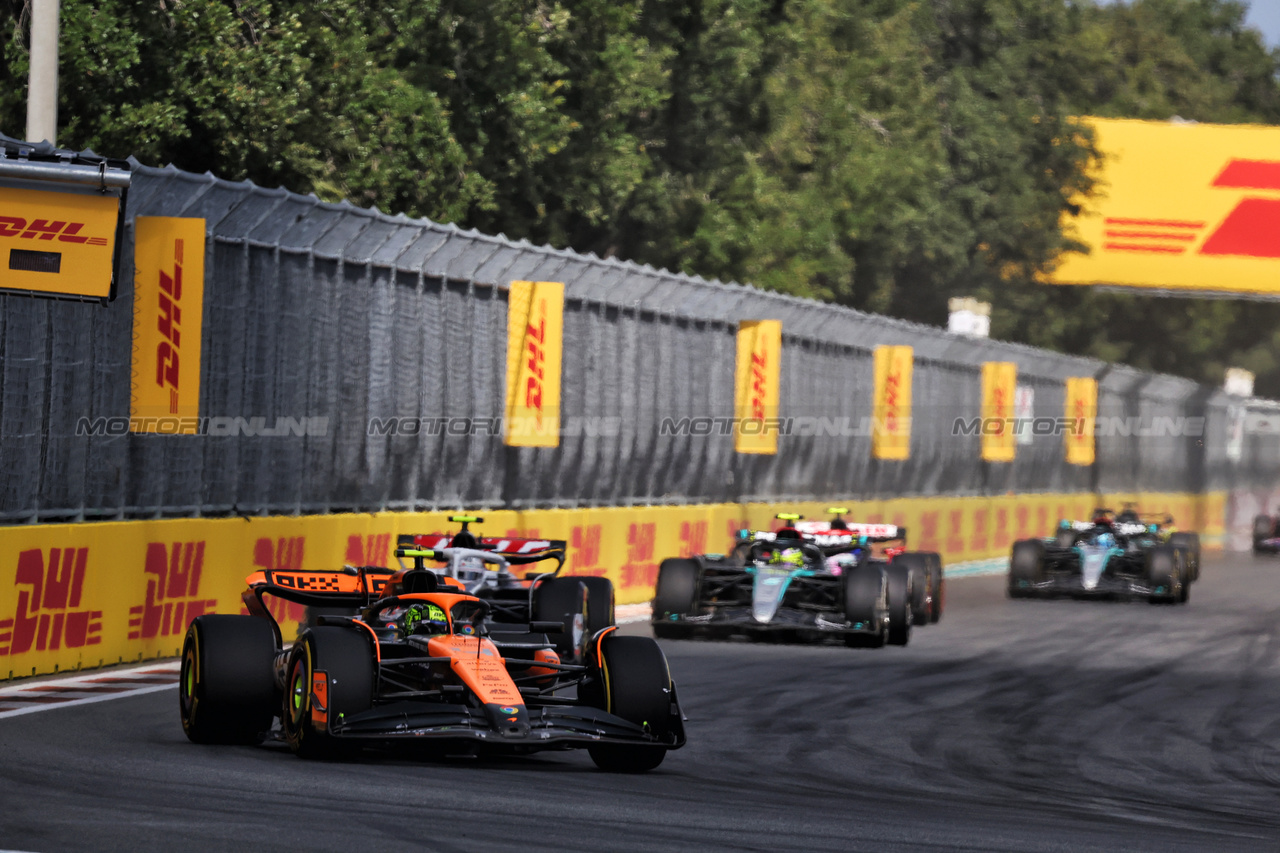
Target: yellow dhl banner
point(108, 592)
point(755, 386)
point(999, 385)
point(1180, 207)
point(168, 315)
point(535, 328)
point(1082, 411)
point(52, 242)
point(891, 407)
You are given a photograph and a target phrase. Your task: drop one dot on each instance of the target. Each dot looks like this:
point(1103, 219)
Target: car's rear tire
point(633, 682)
point(939, 586)
point(226, 687)
point(866, 600)
point(1026, 567)
point(347, 657)
point(675, 596)
point(1191, 543)
point(919, 566)
point(1163, 572)
point(557, 600)
point(900, 579)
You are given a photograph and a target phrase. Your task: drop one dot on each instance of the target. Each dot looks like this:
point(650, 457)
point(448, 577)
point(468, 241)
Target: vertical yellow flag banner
point(999, 386)
point(1082, 409)
point(168, 313)
point(891, 408)
point(755, 386)
point(535, 329)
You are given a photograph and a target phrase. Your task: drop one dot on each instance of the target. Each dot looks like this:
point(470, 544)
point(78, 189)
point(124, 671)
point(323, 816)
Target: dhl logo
point(640, 569)
point(693, 538)
point(168, 321)
point(759, 381)
point(45, 229)
point(1251, 229)
point(535, 338)
point(1003, 411)
point(892, 384)
point(48, 614)
point(173, 590)
point(585, 549)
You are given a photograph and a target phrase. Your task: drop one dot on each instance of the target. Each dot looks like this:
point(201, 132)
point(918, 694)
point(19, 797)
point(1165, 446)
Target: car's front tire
point(675, 596)
point(226, 688)
point(630, 679)
point(346, 657)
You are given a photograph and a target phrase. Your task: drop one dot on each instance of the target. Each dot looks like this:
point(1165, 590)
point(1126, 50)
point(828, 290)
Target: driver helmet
point(423, 618)
point(787, 557)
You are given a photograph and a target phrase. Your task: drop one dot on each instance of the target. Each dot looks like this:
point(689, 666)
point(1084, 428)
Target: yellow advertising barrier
point(89, 594)
point(755, 386)
point(891, 406)
point(1180, 207)
point(535, 328)
point(57, 242)
point(999, 385)
point(168, 314)
point(1081, 412)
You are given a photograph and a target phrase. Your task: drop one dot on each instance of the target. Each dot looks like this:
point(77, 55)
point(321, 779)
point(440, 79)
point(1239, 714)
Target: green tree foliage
point(884, 154)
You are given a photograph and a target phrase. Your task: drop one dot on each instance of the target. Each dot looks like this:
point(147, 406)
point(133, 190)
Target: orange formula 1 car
point(419, 661)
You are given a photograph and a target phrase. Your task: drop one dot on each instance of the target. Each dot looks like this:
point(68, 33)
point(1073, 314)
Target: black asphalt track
point(1012, 725)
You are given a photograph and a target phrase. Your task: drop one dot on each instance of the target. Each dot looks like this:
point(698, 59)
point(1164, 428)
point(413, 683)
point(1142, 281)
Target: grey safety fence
point(317, 310)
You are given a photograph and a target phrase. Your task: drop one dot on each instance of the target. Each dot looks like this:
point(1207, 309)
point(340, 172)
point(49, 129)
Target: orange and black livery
point(410, 656)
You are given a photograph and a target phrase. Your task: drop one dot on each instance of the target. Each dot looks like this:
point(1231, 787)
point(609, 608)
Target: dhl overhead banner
point(755, 386)
point(57, 242)
point(168, 314)
point(891, 408)
point(535, 326)
point(1082, 410)
point(1181, 206)
point(999, 386)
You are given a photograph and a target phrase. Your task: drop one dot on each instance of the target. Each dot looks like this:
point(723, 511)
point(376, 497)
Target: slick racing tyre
point(901, 590)
point(346, 657)
point(866, 604)
point(1191, 543)
point(561, 599)
point(938, 590)
point(1164, 575)
point(1263, 528)
point(676, 595)
point(629, 679)
point(919, 566)
point(226, 689)
point(1026, 567)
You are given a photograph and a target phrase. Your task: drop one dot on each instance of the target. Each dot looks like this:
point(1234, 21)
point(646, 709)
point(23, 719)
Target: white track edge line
point(53, 706)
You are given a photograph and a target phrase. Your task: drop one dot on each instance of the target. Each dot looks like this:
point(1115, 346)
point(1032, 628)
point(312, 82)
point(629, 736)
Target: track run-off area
point(1010, 725)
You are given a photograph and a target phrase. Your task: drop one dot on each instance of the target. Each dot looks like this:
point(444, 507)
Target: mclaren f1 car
point(1104, 557)
point(420, 661)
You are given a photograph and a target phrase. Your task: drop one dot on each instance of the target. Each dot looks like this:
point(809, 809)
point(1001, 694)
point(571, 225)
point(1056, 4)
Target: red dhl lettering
point(535, 342)
point(891, 402)
point(172, 592)
point(759, 383)
point(1000, 405)
point(48, 614)
point(693, 538)
point(584, 555)
point(640, 568)
point(370, 550)
point(43, 229)
point(282, 554)
point(168, 320)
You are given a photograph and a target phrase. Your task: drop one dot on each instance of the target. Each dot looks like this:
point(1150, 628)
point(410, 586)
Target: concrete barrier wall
point(91, 594)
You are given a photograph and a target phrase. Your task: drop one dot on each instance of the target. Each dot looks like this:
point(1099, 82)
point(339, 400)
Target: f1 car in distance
point(1266, 537)
point(420, 662)
point(810, 586)
point(1103, 557)
point(488, 568)
point(886, 542)
point(1161, 524)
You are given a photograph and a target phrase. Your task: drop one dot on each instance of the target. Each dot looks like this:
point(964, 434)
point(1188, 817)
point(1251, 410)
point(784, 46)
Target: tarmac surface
point(1011, 725)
